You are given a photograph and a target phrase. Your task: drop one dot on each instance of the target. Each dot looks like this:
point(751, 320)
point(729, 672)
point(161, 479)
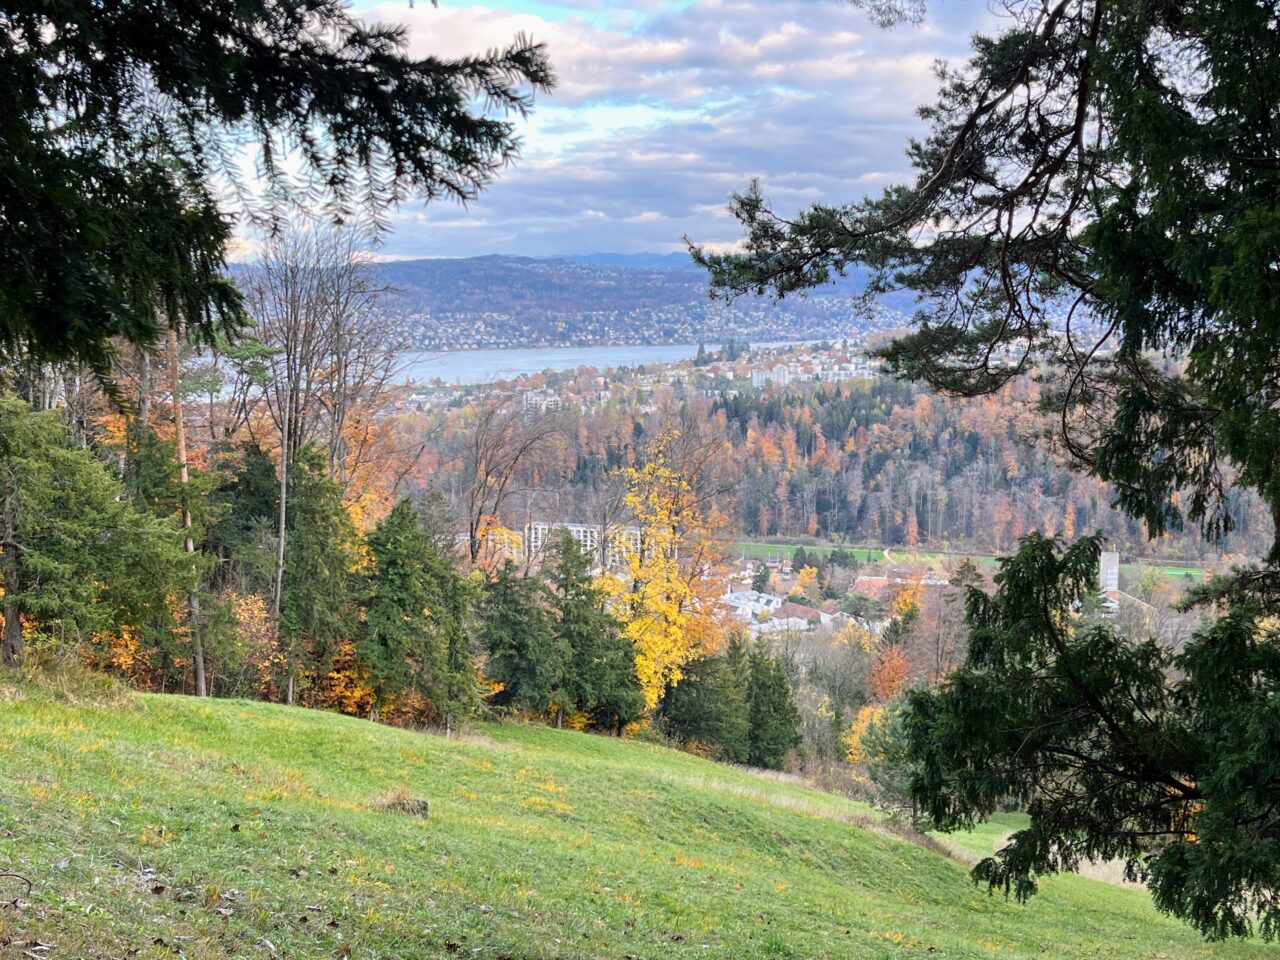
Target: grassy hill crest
point(167, 826)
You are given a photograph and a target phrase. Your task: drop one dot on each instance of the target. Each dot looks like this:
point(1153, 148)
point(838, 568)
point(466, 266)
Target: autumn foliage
point(664, 592)
point(888, 672)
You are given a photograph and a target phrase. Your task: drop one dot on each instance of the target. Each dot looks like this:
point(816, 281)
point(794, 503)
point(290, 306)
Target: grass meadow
point(157, 826)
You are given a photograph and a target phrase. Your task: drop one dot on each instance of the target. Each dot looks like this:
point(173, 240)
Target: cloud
point(661, 114)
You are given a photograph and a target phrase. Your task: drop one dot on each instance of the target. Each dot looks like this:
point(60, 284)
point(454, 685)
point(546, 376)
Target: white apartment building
point(591, 537)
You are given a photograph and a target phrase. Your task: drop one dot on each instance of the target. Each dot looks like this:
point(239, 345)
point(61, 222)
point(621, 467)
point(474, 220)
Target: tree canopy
point(125, 127)
point(1096, 203)
point(1119, 749)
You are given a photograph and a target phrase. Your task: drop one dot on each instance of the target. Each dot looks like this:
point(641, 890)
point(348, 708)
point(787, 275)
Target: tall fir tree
point(710, 705)
point(602, 679)
point(77, 556)
point(526, 655)
point(316, 602)
point(246, 504)
point(774, 720)
point(415, 634)
point(760, 579)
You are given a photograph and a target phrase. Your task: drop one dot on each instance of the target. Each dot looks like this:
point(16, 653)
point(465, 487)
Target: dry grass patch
point(64, 679)
point(400, 800)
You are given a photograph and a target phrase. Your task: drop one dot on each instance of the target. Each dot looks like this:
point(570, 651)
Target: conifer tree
point(774, 720)
point(415, 636)
point(602, 679)
point(760, 579)
point(886, 753)
point(76, 555)
point(526, 655)
point(710, 704)
point(1127, 750)
point(246, 504)
point(123, 125)
point(396, 646)
point(316, 609)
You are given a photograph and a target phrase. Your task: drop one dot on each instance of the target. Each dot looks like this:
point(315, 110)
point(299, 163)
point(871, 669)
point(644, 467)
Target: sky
point(665, 107)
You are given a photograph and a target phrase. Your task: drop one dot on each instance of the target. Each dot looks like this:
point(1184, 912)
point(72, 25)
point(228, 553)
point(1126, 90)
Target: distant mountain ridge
point(654, 261)
point(500, 300)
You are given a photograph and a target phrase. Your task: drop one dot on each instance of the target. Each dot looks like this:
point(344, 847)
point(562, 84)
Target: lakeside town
point(720, 372)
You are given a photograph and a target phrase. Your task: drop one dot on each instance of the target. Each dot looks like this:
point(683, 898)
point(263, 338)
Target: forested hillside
point(874, 461)
point(894, 463)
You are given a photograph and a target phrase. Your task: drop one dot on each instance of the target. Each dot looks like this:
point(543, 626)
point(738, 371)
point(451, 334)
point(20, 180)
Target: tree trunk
point(277, 592)
point(282, 515)
point(144, 390)
point(12, 618)
point(1274, 555)
point(12, 629)
point(180, 434)
point(9, 564)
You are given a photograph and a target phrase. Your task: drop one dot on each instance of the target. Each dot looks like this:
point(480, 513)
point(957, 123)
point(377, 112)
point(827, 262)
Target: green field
point(904, 555)
point(785, 550)
point(170, 827)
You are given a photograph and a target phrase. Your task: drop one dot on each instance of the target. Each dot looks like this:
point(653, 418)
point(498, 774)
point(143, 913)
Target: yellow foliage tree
point(907, 599)
point(259, 642)
point(665, 589)
point(854, 635)
point(857, 732)
point(806, 583)
point(498, 544)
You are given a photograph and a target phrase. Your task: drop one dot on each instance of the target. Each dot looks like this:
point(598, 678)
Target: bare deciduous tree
point(501, 440)
point(329, 350)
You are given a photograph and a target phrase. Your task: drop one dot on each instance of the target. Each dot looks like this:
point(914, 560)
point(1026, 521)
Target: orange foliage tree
point(889, 672)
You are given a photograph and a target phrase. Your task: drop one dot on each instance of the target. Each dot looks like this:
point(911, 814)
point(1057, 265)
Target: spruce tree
point(760, 579)
point(77, 556)
point(525, 654)
point(245, 507)
point(315, 613)
point(774, 719)
point(602, 678)
point(396, 647)
point(710, 705)
point(887, 757)
point(414, 638)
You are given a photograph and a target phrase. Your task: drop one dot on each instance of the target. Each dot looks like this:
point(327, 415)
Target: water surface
point(487, 366)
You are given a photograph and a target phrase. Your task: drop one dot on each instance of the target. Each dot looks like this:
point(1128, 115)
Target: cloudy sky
point(665, 107)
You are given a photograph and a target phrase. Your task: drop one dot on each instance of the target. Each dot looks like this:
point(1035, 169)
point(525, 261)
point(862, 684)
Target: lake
point(487, 366)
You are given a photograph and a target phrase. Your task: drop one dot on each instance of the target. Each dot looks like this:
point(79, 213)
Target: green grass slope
point(231, 829)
